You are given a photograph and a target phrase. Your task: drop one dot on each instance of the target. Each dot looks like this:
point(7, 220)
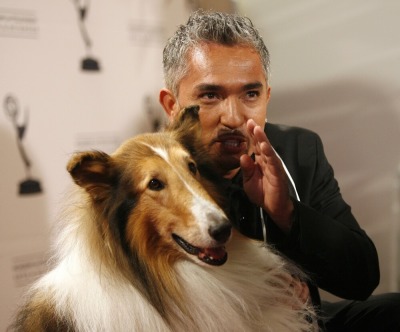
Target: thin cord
point(263, 224)
point(264, 227)
point(288, 175)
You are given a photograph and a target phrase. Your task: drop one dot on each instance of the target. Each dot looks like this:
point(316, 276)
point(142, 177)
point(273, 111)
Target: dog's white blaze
point(202, 209)
point(161, 152)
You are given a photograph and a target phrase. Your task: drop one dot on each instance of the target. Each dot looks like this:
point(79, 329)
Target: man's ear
point(268, 93)
point(169, 103)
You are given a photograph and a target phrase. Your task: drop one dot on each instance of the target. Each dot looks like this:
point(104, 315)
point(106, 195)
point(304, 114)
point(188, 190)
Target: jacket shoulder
point(282, 136)
point(274, 129)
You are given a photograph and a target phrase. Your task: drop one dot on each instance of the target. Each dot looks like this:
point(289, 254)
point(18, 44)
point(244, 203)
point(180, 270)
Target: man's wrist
point(284, 220)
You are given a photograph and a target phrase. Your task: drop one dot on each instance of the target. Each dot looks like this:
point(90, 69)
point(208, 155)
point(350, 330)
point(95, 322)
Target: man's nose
point(232, 115)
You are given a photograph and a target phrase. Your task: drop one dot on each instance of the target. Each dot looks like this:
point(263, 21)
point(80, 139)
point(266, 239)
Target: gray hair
point(209, 27)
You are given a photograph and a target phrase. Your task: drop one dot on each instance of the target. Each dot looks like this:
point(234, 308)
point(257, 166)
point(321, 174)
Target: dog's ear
point(188, 117)
point(189, 114)
point(186, 128)
point(93, 171)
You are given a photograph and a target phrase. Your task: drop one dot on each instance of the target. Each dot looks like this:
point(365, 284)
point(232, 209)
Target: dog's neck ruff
point(249, 293)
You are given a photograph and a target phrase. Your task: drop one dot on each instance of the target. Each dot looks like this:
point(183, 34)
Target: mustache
point(226, 133)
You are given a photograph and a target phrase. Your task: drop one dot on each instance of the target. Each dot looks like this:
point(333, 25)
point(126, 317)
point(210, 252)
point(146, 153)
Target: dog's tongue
point(216, 253)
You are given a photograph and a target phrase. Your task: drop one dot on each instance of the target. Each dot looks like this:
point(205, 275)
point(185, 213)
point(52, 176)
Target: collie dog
point(144, 246)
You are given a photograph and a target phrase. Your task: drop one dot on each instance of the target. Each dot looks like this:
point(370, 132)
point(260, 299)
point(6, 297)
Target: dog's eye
point(155, 185)
point(192, 168)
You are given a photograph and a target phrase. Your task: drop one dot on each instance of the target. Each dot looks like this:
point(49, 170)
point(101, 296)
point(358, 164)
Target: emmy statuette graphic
point(89, 63)
point(29, 185)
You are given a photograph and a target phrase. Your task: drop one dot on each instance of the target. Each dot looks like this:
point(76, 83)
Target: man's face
point(229, 85)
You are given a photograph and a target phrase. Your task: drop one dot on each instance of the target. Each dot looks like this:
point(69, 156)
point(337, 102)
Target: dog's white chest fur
point(246, 294)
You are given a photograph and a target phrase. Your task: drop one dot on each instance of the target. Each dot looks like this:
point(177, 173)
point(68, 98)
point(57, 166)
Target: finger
point(257, 135)
point(265, 153)
point(304, 292)
point(251, 124)
point(264, 146)
point(247, 166)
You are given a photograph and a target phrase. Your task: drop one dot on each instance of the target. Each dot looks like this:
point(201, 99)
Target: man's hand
point(300, 291)
point(265, 181)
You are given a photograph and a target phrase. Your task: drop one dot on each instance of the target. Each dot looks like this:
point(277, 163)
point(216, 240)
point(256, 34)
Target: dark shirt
point(325, 239)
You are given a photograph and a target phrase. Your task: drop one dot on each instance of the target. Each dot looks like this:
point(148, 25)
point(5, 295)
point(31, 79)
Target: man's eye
point(253, 94)
point(208, 95)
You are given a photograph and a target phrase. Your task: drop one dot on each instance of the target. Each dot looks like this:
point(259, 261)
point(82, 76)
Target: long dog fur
point(117, 267)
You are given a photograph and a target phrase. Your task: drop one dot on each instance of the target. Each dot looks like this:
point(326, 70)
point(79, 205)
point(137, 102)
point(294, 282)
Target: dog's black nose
point(221, 232)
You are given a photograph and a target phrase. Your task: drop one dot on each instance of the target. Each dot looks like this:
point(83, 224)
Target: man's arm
point(323, 236)
point(326, 238)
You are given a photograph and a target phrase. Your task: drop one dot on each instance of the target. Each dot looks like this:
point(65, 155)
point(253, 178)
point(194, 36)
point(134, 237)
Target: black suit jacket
point(325, 239)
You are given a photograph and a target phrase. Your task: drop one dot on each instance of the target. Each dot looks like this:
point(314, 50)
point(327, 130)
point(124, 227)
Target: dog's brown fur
point(116, 255)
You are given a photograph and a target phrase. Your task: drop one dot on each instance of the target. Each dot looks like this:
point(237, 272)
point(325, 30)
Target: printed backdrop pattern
point(75, 75)
point(85, 74)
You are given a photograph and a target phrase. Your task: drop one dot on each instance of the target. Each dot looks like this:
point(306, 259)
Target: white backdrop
point(335, 70)
point(64, 109)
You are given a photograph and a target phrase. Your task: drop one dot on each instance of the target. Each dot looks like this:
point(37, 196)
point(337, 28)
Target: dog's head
point(152, 198)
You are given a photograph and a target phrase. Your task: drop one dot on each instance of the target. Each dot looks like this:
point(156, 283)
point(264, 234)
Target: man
point(282, 188)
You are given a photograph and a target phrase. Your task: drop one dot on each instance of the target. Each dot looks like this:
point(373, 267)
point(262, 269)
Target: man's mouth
point(213, 256)
point(232, 143)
